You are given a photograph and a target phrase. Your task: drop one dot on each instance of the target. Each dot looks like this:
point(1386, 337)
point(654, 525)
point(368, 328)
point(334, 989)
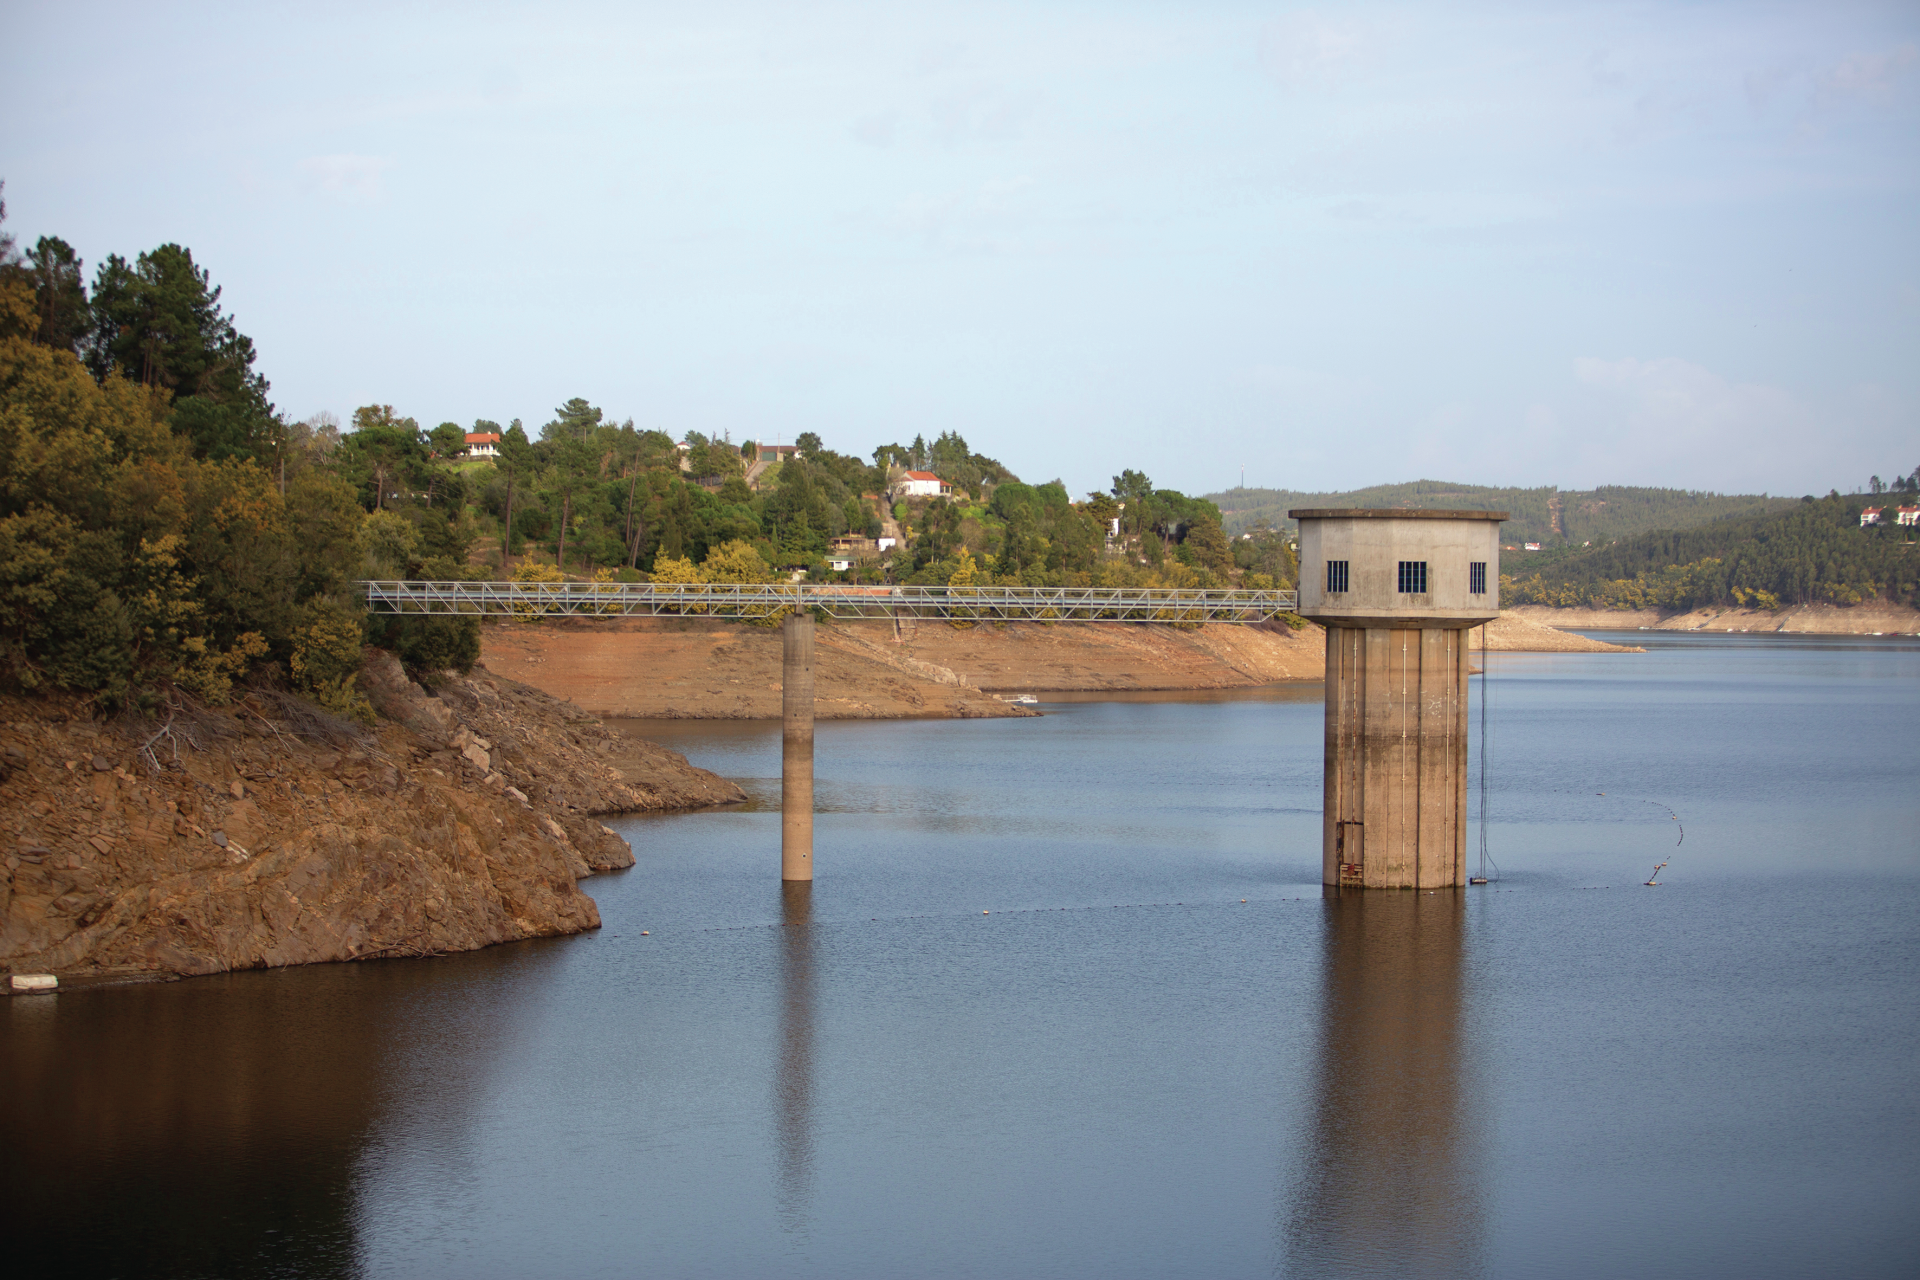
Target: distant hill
point(1814, 552)
point(1550, 516)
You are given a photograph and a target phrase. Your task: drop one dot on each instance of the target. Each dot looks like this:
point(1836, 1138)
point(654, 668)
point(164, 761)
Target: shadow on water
point(1387, 1183)
point(793, 1077)
point(219, 1126)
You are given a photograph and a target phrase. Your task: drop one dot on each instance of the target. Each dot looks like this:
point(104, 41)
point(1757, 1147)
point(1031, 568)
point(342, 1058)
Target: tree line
point(1545, 514)
point(1815, 552)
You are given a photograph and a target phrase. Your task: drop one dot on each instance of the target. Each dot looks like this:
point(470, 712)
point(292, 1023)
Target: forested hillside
point(166, 533)
point(1814, 552)
point(1547, 515)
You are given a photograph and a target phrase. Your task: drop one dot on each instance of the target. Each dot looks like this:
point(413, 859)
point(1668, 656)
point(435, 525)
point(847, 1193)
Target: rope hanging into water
point(1486, 748)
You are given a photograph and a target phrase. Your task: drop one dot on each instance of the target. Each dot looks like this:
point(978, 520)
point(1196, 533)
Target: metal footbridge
point(796, 604)
point(727, 602)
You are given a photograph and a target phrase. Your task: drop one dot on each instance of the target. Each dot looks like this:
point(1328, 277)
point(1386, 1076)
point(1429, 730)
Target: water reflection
point(793, 1079)
point(1387, 1184)
point(221, 1126)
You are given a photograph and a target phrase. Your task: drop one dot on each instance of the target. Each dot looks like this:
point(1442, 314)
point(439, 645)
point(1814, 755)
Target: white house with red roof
point(1870, 516)
point(1907, 515)
point(921, 484)
point(483, 444)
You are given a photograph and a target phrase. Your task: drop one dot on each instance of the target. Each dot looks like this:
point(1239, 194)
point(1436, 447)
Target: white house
point(922, 484)
point(483, 444)
point(1907, 515)
point(1870, 516)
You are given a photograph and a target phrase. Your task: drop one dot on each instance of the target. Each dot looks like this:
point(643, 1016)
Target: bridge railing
point(736, 601)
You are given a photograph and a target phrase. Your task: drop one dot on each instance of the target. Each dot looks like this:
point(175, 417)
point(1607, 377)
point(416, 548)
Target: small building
point(839, 564)
point(853, 544)
point(776, 452)
point(686, 454)
point(483, 444)
point(922, 484)
point(1907, 515)
point(1870, 516)
point(1533, 546)
point(886, 544)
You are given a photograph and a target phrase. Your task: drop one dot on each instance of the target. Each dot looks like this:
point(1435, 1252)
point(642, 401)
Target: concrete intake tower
point(1397, 592)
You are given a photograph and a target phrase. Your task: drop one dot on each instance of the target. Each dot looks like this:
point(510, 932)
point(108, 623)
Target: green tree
point(384, 455)
point(1135, 491)
point(159, 321)
point(1208, 544)
point(60, 294)
point(448, 440)
point(574, 420)
point(516, 456)
point(574, 461)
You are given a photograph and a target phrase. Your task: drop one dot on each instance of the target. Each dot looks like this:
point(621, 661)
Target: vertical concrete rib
point(1462, 667)
point(1396, 752)
point(1343, 833)
point(796, 748)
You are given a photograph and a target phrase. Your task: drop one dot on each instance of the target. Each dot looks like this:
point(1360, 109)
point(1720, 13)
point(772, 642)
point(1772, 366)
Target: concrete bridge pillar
point(796, 747)
point(1397, 591)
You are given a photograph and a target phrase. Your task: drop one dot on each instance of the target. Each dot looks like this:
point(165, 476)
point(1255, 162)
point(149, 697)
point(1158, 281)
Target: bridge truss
point(726, 601)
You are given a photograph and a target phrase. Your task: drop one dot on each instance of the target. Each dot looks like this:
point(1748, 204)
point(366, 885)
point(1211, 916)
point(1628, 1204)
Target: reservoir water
point(1067, 1000)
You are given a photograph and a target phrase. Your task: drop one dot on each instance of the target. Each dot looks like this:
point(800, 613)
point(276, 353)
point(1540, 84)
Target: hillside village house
point(776, 452)
point(921, 484)
point(483, 444)
point(1907, 515)
point(1870, 516)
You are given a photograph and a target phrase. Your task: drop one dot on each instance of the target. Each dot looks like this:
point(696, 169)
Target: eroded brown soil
point(672, 668)
point(680, 669)
point(252, 836)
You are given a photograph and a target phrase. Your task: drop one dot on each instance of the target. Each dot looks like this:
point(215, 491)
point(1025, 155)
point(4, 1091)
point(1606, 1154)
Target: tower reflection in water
point(1388, 1180)
point(793, 1079)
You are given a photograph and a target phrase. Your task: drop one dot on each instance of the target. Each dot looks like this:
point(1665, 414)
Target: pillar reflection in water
point(793, 1076)
point(1387, 1183)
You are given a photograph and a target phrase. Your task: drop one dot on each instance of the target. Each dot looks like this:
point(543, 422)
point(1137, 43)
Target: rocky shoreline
point(264, 834)
point(1808, 619)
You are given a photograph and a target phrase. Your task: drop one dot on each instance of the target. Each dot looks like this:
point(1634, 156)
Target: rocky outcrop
point(265, 835)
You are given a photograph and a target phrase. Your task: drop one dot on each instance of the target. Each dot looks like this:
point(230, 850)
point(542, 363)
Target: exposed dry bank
point(1878, 618)
point(688, 669)
point(252, 836)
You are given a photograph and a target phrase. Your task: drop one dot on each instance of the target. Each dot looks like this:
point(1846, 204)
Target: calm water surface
point(1024, 1025)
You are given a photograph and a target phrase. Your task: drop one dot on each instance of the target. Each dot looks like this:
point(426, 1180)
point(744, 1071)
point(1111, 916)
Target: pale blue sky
point(1531, 244)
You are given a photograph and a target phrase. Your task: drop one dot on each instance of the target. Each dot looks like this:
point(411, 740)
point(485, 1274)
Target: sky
point(1558, 243)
